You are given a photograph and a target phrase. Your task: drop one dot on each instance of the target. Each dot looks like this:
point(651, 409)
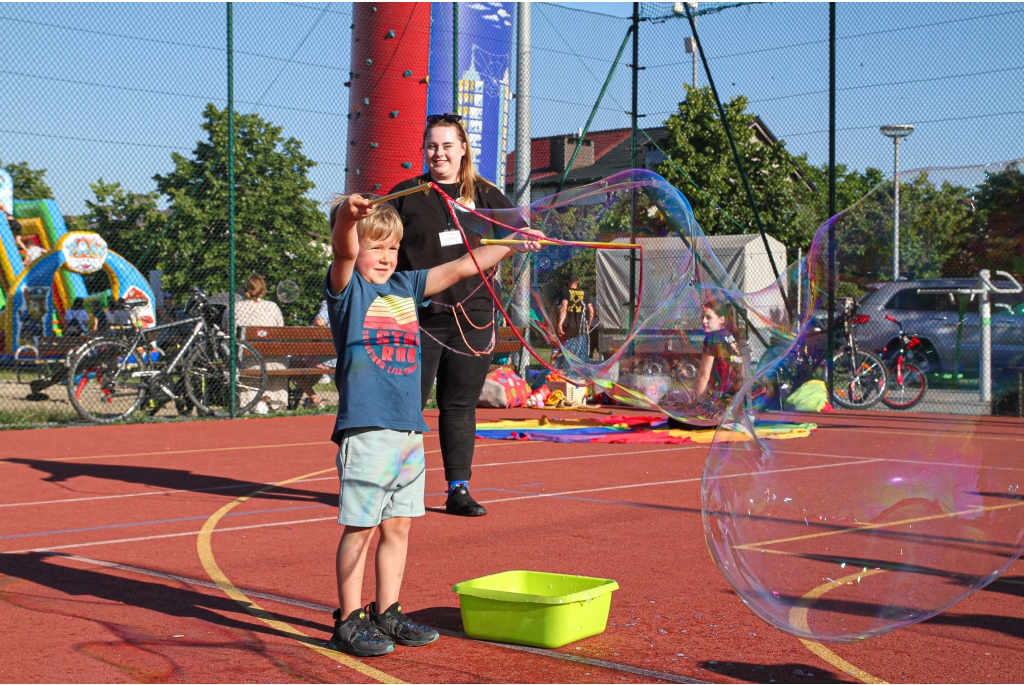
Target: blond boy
point(379, 429)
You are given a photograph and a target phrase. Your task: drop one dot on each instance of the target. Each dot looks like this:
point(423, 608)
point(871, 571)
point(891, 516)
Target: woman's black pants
point(460, 378)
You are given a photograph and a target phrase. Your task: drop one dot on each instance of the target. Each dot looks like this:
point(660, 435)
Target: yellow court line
point(798, 620)
point(217, 576)
point(872, 526)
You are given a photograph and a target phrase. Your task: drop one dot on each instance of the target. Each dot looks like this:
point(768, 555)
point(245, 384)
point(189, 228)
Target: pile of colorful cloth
point(629, 429)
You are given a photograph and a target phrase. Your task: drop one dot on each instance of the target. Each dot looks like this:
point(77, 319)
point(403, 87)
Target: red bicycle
point(907, 383)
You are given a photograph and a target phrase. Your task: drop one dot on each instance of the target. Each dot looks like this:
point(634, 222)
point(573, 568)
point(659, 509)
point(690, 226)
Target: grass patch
point(33, 418)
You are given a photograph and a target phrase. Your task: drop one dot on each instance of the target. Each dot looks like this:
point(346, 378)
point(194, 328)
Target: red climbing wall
point(388, 99)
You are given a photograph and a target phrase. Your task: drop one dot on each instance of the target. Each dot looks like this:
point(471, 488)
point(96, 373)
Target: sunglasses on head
point(453, 118)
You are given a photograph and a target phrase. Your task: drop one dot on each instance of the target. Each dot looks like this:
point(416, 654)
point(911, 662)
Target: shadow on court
point(171, 598)
point(173, 479)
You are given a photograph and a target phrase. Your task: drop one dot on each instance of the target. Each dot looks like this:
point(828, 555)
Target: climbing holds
point(393, 114)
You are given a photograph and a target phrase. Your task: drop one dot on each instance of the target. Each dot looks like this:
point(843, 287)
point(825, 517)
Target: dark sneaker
point(461, 503)
point(401, 629)
point(356, 635)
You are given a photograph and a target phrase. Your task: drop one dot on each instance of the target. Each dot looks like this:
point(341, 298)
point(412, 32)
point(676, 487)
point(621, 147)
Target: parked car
point(935, 318)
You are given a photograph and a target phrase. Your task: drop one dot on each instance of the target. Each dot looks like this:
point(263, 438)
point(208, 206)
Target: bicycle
point(110, 377)
point(860, 376)
point(907, 383)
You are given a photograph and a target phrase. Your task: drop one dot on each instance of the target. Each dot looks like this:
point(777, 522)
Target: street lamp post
point(689, 43)
point(896, 132)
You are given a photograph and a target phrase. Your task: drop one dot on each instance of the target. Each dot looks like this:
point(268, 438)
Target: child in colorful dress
point(720, 374)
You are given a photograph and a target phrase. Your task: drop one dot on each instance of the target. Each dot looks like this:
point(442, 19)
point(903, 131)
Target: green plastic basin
point(534, 608)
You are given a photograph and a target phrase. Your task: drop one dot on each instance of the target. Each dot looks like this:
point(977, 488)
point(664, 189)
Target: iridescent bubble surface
point(884, 516)
point(901, 502)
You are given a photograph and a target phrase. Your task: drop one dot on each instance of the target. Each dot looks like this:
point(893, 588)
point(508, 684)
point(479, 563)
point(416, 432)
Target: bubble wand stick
point(400, 193)
point(573, 243)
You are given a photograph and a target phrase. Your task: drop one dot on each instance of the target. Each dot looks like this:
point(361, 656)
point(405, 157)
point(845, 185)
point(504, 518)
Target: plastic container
point(535, 608)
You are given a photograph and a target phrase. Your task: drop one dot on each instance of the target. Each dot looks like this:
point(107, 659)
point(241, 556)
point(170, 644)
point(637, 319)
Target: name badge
point(450, 237)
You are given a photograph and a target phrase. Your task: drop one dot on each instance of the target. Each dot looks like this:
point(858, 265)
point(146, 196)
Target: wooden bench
point(294, 341)
point(506, 342)
point(316, 341)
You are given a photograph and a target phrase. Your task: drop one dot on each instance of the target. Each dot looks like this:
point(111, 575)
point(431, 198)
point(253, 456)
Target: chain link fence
point(115, 122)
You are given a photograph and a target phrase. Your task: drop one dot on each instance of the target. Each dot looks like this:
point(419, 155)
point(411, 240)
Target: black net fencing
point(115, 124)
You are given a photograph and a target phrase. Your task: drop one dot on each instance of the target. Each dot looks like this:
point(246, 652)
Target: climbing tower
point(388, 94)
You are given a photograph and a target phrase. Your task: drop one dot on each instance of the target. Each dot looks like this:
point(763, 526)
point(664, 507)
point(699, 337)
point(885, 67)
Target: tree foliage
point(998, 243)
point(127, 221)
point(29, 183)
point(280, 233)
point(700, 155)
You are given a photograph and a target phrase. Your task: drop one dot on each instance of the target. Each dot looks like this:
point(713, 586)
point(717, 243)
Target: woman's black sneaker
point(400, 628)
point(461, 503)
point(358, 636)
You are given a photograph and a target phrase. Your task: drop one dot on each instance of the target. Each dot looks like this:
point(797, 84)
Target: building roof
point(612, 154)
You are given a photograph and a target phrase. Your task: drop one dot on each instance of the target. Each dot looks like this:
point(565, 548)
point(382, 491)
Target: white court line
point(857, 462)
point(310, 480)
point(674, 482)
point(549, 653)
point(166, 535)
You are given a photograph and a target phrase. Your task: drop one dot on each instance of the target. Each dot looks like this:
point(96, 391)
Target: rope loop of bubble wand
point(451, 202)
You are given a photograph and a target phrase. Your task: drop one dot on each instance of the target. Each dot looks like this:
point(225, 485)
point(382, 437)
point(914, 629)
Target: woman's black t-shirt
point(425, 217)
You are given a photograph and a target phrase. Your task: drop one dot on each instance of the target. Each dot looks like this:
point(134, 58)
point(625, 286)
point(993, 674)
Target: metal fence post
point(233, 366)
point(831, 349)
point(455, 58)
point(521, 185)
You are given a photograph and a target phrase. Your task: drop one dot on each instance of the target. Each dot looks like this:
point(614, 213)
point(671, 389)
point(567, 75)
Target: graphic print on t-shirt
point(391, 334)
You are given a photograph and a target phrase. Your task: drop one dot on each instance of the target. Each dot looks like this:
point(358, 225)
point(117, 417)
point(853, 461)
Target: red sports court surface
point(158, 553)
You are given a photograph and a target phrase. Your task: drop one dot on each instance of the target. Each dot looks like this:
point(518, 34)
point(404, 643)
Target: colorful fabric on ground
point(628, 430)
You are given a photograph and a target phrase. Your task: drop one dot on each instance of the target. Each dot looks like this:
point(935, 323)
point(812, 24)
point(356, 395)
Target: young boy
point(373, 317)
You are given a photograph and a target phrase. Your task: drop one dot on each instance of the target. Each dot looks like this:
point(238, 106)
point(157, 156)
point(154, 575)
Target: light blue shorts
point(382, 476)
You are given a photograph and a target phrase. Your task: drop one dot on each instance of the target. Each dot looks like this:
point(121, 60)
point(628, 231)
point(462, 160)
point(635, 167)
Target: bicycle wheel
point(26, 364)
point(208, 378)
point(860, 380)
point(908, 393)
point(107, 382)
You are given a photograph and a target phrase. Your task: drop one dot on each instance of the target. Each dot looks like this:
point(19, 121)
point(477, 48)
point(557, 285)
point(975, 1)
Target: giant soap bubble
point(642, 341)
point(883, 517)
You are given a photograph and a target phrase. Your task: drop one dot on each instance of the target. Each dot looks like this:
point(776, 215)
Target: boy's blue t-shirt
point(377, 337)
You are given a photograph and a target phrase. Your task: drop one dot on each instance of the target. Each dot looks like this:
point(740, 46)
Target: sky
point(112, 90)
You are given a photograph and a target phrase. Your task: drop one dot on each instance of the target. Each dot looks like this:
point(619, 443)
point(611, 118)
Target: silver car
point(935, 319)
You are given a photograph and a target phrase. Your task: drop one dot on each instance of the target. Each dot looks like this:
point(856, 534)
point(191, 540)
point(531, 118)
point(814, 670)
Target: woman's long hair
point(468, 178)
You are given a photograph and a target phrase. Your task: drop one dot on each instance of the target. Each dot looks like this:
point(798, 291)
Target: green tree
point(999, 240)
point(937, 224)
point(280, 233)
point(29, 183)
point(127, 221)
point(697, 144)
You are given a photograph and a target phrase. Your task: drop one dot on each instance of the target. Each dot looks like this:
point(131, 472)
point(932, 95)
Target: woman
point(457, 327)
point(255, 311)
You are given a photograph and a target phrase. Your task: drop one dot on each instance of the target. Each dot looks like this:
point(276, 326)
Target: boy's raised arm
point(345, 240)
point(446, 275)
